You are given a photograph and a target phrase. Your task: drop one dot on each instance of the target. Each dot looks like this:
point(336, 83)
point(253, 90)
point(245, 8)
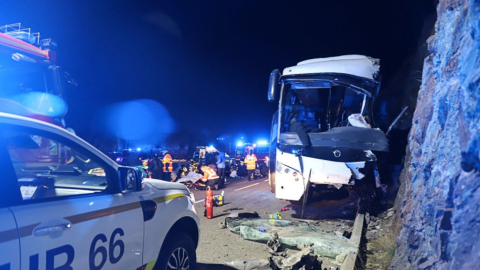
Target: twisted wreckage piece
point(292, 234)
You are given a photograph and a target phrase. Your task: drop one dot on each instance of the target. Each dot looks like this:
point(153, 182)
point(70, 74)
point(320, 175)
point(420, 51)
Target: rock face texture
point(439, 201)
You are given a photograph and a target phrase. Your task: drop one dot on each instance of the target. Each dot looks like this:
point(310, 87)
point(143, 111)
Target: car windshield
point(40, 161)
point(319, 107)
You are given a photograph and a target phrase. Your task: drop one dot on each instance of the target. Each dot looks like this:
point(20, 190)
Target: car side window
point(47, 168)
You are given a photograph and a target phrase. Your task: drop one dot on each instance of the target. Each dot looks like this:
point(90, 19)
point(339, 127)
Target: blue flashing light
point(240, 144)
point(262, 142)
point(129, 149)
point(139, 149)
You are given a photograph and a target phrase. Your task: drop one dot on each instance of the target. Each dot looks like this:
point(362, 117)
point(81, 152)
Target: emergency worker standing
point(154, 166)
point(251, 162)
point(167, 159)
point(221, 168)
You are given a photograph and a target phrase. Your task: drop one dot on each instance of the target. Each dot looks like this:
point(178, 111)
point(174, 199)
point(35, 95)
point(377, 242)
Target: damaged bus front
point(323, 132)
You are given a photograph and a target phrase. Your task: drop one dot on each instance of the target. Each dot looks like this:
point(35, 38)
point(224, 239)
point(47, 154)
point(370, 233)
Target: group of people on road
point(213, 175)
point(217, 178)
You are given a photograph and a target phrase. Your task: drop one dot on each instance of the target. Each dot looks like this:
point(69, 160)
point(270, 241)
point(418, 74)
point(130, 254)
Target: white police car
point(64, 205)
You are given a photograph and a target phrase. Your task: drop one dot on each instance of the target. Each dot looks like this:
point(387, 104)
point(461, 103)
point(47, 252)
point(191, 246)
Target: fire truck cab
point(31, 83)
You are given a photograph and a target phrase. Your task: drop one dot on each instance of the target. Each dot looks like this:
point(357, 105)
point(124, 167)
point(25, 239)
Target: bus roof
point(357, 65)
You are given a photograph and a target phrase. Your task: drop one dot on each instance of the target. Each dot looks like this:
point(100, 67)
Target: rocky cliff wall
point(438, 205)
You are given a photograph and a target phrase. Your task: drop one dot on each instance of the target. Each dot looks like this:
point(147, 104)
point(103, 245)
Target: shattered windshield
point(319, 107)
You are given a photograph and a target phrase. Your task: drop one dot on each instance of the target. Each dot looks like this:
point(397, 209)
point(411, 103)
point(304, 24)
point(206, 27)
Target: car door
point(9, 241)
point(71, 216)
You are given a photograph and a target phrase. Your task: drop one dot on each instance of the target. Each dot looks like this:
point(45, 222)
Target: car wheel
point(178, 253)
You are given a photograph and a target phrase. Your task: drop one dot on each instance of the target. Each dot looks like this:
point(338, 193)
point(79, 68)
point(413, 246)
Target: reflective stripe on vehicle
point(8, 235)
point(148, 266)
point(169, 197)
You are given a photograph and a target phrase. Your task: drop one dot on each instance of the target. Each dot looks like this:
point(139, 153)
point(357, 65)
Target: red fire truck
point(30, 80)
point(31, 86)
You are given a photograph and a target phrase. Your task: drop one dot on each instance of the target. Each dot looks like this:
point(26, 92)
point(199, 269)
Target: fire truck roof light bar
point(17, 31)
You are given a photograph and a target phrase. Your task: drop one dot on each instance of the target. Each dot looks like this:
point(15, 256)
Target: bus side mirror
point(274, 85)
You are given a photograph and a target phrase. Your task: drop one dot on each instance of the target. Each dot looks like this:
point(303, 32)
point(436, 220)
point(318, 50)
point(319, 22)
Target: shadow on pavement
point(203, 266)
point(327, 204)
point(233, 209)
point(220, 215)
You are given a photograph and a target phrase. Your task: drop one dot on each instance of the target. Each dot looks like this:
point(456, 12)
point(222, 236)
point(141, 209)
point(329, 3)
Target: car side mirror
point(274, 85)
point(131, 179)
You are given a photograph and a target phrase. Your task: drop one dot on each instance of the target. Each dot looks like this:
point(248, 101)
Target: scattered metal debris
point(305, 259)
point(291, 233)
point(274, 246)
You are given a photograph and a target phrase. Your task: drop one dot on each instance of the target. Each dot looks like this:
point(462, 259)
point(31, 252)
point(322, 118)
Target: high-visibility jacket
point(251, 160)
point(208, 173)
point(167, 159)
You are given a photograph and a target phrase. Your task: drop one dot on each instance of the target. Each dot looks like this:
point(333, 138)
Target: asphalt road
point(332, 211)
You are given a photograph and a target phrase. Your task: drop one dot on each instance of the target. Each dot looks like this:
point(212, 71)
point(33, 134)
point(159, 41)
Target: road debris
point(276, 215)
point(292, 233)
point(244, 215)
point(304, 259)
point(274, 246)
point(248, 265)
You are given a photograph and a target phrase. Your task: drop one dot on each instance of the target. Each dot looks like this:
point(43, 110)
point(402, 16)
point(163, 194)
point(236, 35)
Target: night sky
point(208, 62)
